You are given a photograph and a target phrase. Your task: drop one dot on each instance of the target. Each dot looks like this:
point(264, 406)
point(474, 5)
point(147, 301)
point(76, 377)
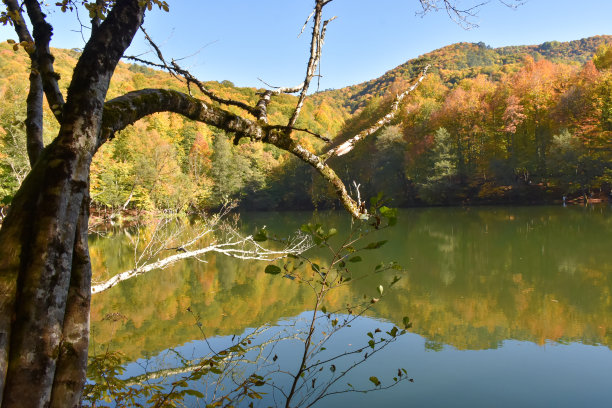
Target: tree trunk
point(36, 251)
point(45, 272)
point(71, 369)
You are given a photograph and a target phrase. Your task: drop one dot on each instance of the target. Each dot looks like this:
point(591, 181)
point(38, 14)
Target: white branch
point(347, 146)
point(238, 247)
point(316, 44)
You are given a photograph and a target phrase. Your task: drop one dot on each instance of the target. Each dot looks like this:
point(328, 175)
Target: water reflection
point(474, 279)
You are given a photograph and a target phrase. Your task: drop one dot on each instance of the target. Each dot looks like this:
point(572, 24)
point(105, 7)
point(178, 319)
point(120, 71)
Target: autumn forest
point(524, 124)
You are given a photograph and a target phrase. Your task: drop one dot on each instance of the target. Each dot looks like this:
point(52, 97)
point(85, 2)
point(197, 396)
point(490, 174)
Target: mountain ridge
point(477, 57)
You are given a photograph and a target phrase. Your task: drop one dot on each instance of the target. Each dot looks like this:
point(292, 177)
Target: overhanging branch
point(350, 144)
point(129, 108)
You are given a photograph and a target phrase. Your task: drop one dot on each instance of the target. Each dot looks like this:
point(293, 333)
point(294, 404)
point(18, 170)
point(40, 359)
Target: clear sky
point(242, 40)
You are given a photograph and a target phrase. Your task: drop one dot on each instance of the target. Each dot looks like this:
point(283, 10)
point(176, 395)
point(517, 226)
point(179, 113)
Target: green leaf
point(406, 321)
point(273, 270)
point(395, 280)
point(371, 343)
point(332, 232)
point(334, 322)
point(375, 381)
point(316, 268)
point(355, 259)
point(323, 309)
point(261, 235)
point(388, 212)
point(375, 200)
point(375, 245)
point(194, 393)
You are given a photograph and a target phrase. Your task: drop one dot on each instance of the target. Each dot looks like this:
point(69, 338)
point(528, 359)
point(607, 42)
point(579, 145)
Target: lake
point(510, 306)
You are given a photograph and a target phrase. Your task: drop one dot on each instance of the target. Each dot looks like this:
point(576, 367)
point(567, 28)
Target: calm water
point(510, 306)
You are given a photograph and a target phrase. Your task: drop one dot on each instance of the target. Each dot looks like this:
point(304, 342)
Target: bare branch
point(306, 23)
point(462, 16)
point(127, 109)
point(237, 246)
point(159, 54)
point(350, 144)
point(42, 37)
point(310, 132)
point(277, 90)
point(316, 43)
point(175, 70)
point(261, 109)
point(34, 101)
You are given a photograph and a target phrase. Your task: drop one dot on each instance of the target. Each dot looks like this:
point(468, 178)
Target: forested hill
point(517, 124)
point(163, 161)
point(465, 60)
point(521, 122)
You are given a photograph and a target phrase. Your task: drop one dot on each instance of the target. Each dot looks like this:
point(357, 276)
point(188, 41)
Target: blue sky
point(243, 40)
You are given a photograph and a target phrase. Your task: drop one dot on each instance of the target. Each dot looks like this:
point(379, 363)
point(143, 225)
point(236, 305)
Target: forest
point(524, 124)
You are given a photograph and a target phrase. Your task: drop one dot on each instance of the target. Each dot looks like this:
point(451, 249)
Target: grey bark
point(38, 236)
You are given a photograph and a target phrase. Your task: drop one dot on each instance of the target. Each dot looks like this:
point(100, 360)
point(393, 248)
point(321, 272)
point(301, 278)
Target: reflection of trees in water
point(473, 278)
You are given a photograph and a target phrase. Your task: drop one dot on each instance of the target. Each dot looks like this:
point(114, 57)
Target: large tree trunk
point(45, 272)
point(36, 255)
point(71, 369)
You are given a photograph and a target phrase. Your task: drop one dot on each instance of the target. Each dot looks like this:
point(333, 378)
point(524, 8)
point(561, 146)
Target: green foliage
point(444, 167)
point(14, 163)
point(603, 57)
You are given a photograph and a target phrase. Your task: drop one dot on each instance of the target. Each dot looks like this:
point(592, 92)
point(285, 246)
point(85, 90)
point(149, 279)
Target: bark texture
point(43, 250)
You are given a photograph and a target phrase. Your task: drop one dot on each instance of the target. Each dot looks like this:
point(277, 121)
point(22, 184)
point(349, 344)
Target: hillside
point(466, 60)
point(486, 125)
point(521, 125)
point(163, 161)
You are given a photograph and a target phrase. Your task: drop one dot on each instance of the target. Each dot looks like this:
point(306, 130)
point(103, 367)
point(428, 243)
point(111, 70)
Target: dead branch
point(178, 72)
point(350, 144)
point(464, 17)
point(235, 245)
point(316, 45)
point(42, 37)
